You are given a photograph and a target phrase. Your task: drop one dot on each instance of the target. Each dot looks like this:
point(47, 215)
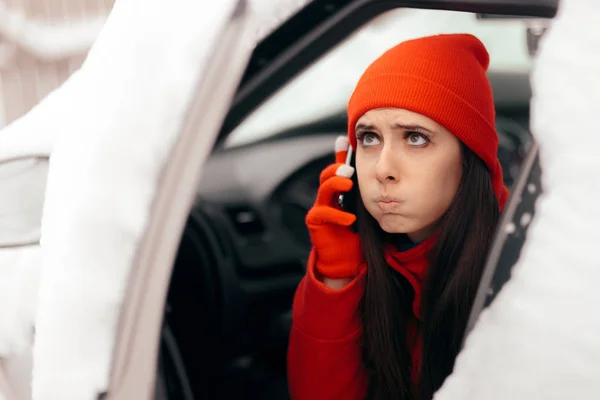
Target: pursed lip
point(387, 203)
point(387, 199)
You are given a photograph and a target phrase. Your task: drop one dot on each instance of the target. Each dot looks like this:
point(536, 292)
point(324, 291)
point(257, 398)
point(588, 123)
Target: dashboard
point(265, 190)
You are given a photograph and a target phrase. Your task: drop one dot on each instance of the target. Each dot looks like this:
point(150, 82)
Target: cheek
point(366, 181)
point(443, 180)
point(436, 185)
point(450, 174)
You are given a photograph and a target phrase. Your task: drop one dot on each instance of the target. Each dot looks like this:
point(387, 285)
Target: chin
point(395, 224)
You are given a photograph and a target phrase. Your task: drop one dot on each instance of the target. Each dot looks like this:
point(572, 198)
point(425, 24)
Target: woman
point(381, 312)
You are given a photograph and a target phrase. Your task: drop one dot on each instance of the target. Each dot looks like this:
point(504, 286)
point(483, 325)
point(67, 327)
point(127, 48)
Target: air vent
point(245, 220)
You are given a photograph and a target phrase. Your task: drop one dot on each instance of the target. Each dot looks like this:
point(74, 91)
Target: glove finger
point(327, 194)
point(322, 215)
point(342, 170)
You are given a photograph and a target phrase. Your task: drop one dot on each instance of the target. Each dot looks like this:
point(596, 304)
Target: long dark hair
point(456, 262)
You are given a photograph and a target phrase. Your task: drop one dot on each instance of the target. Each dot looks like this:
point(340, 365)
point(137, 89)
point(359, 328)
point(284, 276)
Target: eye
point(416, 139)
point(368, 139)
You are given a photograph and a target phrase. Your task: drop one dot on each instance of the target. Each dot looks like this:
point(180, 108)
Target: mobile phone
point(348, 162)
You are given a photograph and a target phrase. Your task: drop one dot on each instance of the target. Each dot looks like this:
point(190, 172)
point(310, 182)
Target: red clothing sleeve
point(324, 355)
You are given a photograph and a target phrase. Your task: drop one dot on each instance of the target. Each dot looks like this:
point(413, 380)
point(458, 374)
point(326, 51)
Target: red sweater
point(324, 356)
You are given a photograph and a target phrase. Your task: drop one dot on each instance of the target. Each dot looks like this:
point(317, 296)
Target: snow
point(18, 298)
point(19, 280)
point(17, 140)
point(112, 123)
point(46, 40)
point(540, 338)
point(23, 169)
point(23, 182)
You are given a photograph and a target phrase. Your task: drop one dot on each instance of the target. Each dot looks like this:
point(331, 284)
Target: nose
point(386, 169)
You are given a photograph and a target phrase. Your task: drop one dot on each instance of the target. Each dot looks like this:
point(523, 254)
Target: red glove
point(338, 249)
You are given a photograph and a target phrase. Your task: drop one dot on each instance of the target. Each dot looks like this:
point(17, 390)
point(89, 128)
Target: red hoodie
point(324, 356)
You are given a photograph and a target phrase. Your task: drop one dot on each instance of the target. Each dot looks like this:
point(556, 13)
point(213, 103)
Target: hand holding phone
point(331, 229)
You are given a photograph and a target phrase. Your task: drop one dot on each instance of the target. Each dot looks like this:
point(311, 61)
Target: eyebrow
point(411, 127)
point(407, 127)
point(364, 127)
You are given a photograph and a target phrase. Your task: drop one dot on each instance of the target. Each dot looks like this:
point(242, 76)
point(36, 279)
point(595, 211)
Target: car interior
point(244, 249)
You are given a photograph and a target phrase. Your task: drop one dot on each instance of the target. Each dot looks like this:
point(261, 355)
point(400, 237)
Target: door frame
point(134, 364)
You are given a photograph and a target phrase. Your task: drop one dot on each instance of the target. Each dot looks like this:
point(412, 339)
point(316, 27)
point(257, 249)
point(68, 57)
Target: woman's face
point(409, 168)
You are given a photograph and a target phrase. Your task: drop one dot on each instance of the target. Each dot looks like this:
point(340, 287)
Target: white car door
point(132, 130)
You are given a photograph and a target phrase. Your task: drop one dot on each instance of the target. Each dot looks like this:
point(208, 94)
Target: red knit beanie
point(444, 78)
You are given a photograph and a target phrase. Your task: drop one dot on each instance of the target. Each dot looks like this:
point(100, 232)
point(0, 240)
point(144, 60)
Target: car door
point(136, 347)
point(149, 102)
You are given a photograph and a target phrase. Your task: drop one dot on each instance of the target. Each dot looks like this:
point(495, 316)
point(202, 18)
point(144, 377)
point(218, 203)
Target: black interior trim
point(175, 379)
point(286, 52)
point(196, 285)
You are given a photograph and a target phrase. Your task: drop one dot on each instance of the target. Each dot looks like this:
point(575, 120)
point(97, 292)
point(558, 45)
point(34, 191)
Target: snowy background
point(537, 340)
